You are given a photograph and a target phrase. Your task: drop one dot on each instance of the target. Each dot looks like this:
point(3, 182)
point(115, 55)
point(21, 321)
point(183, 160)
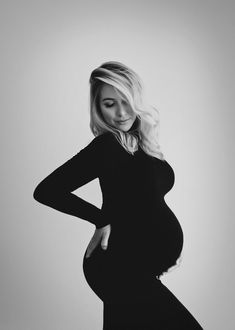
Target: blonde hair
point(128, 84)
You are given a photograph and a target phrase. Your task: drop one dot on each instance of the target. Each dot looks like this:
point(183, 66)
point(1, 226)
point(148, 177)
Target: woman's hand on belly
point(101, 236)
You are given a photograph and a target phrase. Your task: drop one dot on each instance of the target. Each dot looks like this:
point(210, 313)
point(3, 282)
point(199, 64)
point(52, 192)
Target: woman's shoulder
point(104, 138)
point(101, 142)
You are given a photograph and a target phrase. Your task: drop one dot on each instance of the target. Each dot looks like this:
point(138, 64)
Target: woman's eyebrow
point(108, 98)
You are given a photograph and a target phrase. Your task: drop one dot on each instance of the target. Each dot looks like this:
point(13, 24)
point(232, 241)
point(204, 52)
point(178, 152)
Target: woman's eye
point(109, 105)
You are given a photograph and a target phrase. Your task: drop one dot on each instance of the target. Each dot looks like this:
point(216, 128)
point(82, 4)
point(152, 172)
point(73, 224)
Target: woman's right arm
point(56, 189)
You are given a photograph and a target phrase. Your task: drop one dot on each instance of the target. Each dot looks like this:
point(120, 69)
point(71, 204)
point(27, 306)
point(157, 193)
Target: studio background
point(184, 53)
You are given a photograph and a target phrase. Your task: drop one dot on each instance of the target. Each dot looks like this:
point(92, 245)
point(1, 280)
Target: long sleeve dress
point(146, 238)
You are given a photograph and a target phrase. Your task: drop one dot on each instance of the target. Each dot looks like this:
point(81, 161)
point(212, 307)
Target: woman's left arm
point(56, 189)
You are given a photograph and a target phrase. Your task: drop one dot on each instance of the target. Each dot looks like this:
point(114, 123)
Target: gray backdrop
point(184, 52)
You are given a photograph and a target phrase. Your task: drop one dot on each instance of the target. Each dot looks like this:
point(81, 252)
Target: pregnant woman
point(137, 237)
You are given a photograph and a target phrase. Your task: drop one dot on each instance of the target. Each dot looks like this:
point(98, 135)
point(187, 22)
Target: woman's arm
point(56, 189)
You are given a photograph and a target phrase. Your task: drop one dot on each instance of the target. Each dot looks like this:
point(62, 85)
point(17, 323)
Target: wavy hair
point(127, 83)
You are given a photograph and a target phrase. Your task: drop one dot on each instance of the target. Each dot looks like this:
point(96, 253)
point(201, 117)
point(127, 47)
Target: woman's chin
point(126, 126)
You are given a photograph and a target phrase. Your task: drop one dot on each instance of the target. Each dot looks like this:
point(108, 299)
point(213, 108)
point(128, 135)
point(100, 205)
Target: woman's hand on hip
point(101, 236)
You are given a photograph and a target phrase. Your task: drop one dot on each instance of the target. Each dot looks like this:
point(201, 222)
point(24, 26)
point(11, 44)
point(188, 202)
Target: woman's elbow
point(46, 193)
point(40, 194)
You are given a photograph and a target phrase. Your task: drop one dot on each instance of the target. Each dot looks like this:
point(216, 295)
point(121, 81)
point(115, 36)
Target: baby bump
point(134, 252)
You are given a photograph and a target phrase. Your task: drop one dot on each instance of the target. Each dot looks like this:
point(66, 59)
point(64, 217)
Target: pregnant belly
point(146, 248)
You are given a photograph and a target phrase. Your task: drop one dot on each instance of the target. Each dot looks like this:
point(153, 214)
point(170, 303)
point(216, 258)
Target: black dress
point(146, 237)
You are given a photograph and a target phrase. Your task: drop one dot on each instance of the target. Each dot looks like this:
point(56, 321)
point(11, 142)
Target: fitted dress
point(146, 238)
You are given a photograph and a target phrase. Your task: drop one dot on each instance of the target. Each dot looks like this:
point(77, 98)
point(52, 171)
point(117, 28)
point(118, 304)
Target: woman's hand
point(101, 236)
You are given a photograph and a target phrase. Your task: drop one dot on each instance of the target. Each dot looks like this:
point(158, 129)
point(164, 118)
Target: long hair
point(128, 84)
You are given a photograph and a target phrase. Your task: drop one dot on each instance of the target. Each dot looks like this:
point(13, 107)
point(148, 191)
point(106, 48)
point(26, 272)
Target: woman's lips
point(122, 121)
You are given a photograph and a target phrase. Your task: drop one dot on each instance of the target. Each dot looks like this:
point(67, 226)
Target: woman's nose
point(121, 111)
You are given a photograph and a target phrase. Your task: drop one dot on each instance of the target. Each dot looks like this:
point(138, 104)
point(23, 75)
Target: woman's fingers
point(92, 245)
point(90, 249)
point(105, 238)
point(101, 234)
point(104, 241)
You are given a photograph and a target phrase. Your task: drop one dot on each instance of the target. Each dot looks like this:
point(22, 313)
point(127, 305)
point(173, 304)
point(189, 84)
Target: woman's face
point(116, 111)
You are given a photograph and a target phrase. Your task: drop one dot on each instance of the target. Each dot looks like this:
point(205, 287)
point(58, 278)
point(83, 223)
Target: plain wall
point(184, 52)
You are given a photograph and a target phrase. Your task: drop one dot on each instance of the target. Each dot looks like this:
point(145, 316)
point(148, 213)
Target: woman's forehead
point(110, 92)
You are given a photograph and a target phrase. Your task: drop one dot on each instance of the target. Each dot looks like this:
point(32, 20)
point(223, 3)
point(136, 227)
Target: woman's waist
point(151, 210)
